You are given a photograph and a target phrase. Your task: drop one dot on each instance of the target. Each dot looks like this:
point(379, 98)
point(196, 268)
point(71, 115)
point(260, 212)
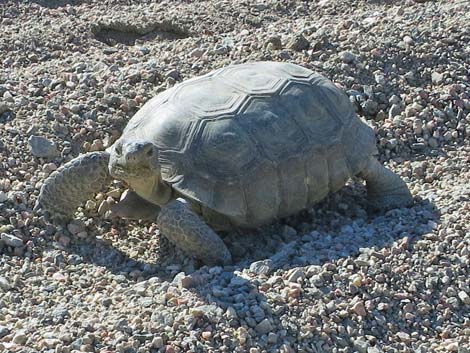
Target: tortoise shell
point(255, 142)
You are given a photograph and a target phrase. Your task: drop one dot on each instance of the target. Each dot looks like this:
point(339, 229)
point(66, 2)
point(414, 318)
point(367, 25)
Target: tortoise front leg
point(73, 183)
point(178, 222)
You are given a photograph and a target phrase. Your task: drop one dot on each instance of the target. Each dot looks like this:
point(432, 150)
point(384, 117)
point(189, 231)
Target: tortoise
point(236, 148)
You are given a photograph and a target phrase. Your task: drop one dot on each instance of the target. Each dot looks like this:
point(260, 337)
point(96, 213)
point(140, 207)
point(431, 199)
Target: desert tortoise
point(238, 147)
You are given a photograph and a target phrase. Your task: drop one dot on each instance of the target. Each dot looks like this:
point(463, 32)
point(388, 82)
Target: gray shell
point(255, 142)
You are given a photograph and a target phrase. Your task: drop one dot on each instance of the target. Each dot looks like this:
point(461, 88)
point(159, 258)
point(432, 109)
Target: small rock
point(170, 349)
point(90, 205)
point(395, 109)
point(231, 313)
point(298, 43)
point(361, 345)
point(272, 337)
point(408, 40)
point(3, 196)
point(157, 342)
point(288, 232)
point(76, 227)
point(42, 147)
point(75, 108)
point(20, 337)
point(464, 297)
point(103, 207)
point(403, 336)
point(8, 96)
point(437, 77)
point(174, 74)
point(220, 49)
point(275, 42)
point(106, 302)
point(197, 53)
point(380, 79)
point(394, 99)
point(242, 334)
point(348, 57)
point(433, 142)
point(4, 284)
point(295, 274)
point(359, 309)
point(3, 108)
point(370, 107)
point(262, 267)
point(211, 311)
point(115, 193)
point(206, 335)
point(264, 327)
point(4, 331)
point(144, 50)
point(11, 240)
point(184, 281)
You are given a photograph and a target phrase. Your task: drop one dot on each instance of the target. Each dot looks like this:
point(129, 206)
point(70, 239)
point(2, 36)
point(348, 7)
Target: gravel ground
point(336, 278)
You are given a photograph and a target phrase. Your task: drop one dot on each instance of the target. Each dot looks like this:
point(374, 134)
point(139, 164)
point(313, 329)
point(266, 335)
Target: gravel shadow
point(330, 231)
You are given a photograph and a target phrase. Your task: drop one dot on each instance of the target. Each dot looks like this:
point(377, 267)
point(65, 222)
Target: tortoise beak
point(133, 159)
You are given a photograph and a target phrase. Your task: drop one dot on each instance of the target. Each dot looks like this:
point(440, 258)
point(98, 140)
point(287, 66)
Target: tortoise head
point(131, 159)
point(136, 162)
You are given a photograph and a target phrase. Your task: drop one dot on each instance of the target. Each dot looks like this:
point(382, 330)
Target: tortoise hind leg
point(385, 189)
point(183, 227)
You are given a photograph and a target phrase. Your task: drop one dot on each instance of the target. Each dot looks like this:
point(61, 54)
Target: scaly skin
point(185, 229)
point(385, 189)
point(73, 183)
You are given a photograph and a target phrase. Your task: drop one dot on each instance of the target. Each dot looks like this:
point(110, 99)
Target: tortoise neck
point(155, 191)
point(163, 193)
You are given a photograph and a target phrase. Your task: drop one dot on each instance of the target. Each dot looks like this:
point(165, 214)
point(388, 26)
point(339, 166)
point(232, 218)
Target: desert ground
point(335, 278)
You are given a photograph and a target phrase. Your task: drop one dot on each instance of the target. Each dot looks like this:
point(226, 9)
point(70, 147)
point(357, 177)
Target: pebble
point(361, 345)
point(11, 240)
point(403, 336)
point(157, 342)
point(262, 267)
point(370, 107)
point(3, 107)
point(174, 74)
point(184, 281)
point(295, 274)
point(4, 331)
point(4, 284)
point(275, 42)
point(359, 309)
point(42, 147)
point(263, 327)
point(437, 77)
point(464, 297)
point(298, 43)
point(395, 110)
point(348, 57)
point(197, 53)
point(357, 280)
point(20, 338)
